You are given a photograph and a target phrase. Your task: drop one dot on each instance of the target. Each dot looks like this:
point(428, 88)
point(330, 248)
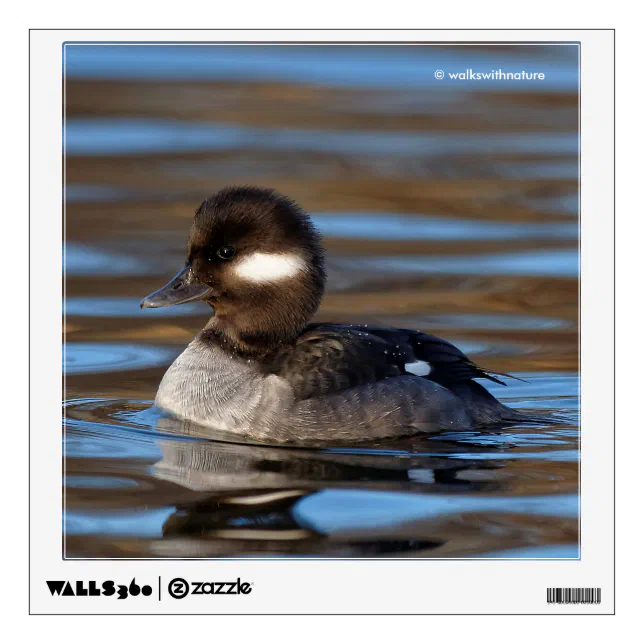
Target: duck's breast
point(210, 386)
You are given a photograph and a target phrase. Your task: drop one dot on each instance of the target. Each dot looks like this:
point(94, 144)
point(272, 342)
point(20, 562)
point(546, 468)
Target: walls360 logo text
point(97, 589)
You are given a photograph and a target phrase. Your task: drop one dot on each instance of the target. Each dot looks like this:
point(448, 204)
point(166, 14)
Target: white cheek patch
point(418, 368)
point(266, 267)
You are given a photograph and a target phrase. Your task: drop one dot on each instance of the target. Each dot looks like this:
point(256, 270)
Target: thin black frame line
point(325, 29)
point(578, 558)
point(29, 322)
point(614, 323)
point(64, 522)
point(614, 312)
point(299, 43)
point(579, 277)
point(65, 44)
point(308, 558)
point(329, 614)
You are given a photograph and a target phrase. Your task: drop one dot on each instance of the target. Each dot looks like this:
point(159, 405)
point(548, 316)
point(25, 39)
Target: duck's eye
point(225, 252)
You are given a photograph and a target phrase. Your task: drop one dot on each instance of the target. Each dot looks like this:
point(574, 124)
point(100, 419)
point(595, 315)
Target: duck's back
point(379, 381)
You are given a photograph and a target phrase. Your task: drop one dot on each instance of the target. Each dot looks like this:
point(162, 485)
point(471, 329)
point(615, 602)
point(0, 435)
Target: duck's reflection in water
point(249, 497)
point(266, 524)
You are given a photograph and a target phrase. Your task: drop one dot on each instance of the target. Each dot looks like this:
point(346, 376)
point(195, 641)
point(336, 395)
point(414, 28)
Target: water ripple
point(103, 357)
point(112, 136)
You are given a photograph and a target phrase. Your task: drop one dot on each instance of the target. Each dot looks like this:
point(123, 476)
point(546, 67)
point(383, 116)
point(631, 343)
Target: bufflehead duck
point(261, 370)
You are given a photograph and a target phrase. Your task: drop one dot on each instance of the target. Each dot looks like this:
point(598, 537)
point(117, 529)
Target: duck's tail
point(485, 409)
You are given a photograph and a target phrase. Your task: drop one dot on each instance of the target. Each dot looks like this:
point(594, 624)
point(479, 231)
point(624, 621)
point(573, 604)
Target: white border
point(597, 96)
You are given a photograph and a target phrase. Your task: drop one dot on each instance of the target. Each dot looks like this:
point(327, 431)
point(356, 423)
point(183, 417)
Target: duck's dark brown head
point(257, 259)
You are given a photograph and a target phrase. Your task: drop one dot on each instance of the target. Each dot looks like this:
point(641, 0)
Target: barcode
point(574, 595)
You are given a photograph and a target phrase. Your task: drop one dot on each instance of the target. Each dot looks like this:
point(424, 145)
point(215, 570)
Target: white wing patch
point(267, 267)
point(418, 368)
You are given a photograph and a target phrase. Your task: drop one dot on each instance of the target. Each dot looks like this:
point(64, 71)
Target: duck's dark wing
point(348, 381)
point(446, 363)
point(331, 357)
